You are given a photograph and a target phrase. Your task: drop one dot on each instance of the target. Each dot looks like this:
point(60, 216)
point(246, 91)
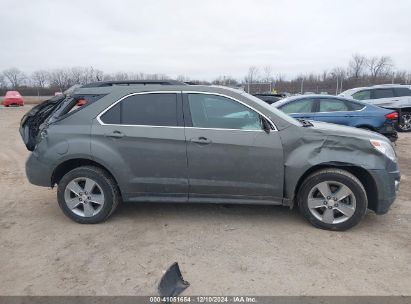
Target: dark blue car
point(341, 111)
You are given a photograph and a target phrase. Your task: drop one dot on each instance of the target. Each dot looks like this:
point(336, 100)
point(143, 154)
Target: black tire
point(404, 115)
point(107, 184)
point(333, 175)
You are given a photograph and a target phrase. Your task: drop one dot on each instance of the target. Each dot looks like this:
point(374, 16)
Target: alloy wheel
point(405, 122)
point(331, 202)
point(84, 197)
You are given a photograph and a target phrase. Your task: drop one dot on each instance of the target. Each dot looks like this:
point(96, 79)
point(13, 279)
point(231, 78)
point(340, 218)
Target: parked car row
point(382, 108)
point(341, 111)
point(394, 97)
point(166, 141)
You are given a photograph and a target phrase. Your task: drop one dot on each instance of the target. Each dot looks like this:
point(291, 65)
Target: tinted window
point(112, 116)
point(383, 93)
point(144, 109)
point(402, 92)
point(299, 106)
point(212, 111)
point(362, 95)
point(332, 105)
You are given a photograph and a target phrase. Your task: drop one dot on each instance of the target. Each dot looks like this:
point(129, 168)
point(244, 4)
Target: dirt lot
point(247, 250)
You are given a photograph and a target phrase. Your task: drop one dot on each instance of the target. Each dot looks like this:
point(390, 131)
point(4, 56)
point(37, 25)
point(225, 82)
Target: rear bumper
point(388, 183)
point(37, 172)
point(9, 102)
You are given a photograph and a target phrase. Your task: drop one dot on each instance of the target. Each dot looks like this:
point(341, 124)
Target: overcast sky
point(202, 39)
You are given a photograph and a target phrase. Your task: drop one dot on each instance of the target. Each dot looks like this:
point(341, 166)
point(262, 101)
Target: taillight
point(393, 115)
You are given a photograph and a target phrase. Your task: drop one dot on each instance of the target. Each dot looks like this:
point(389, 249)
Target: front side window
point(332, 105)
point(305, 105)
point(156, 109)
point(362, 95)
point(218, 112)
point(383, 93)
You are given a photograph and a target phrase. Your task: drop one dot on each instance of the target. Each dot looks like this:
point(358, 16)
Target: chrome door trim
point(178, 127)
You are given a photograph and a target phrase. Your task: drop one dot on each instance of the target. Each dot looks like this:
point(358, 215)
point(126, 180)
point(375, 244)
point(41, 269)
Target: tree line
point(360, 71)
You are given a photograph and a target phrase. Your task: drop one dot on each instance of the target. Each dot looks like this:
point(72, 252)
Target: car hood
point(339, 130)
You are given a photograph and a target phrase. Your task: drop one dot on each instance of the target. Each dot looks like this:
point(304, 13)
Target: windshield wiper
point(305, 123)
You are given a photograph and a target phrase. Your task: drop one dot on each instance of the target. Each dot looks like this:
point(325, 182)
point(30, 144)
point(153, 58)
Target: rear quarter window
point(402, 92)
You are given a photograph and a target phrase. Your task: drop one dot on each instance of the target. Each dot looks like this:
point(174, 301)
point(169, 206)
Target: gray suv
point(171, 142)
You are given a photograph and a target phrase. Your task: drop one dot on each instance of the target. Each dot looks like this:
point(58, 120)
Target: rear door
point(141, 139)
point(230, 156)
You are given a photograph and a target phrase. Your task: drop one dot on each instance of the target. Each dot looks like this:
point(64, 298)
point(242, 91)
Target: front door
point(230, 156)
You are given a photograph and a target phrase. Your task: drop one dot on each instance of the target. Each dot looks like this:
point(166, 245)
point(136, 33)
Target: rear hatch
point(34, 121)
point(50, 111)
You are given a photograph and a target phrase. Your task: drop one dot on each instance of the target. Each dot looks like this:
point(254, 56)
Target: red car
point(13, 98)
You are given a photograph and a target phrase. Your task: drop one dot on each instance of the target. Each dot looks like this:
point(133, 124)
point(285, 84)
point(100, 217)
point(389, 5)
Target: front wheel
point(88, 195)
point(332, 199)
point(404, 122)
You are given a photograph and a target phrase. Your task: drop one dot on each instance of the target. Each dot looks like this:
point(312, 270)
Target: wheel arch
point(362, 174)
point(73, 163)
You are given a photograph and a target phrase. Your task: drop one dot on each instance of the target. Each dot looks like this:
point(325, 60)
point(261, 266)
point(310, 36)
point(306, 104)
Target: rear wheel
point(88, 195)
point(332, 199)
point(404, 123)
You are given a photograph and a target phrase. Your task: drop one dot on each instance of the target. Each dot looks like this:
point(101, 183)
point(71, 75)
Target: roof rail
point(132, 82)
point(387, 84)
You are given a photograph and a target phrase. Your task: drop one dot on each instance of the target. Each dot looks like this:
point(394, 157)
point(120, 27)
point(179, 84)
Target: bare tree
point(39, 78)
point(60, 78)
point(15, 77)
point(121, 76)
point(252, 74)
point(2, 81)
point(379, 66)
point(357, 65)
point(268, 74)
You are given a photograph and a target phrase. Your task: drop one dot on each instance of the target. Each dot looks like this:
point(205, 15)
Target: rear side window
point(332, 105)
point(362, 95)
point(305, 105)
point(383, 93)
point(402, 92)
point(144, 109)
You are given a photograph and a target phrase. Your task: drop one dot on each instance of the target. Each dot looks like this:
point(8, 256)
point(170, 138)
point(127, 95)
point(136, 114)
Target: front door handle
point(201, 140)
point(115, 134)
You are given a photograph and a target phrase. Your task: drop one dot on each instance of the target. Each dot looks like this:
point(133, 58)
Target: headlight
point(385, 148)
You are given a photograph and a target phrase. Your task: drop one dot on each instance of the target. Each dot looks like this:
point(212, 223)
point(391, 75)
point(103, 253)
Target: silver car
point(165, 141)
point(390, 96)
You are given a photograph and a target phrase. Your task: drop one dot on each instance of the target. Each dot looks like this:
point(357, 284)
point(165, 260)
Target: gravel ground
point(252, 250)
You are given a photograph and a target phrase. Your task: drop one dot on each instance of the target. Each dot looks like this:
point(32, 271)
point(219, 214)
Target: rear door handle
point(201, 140)
point(115, 134)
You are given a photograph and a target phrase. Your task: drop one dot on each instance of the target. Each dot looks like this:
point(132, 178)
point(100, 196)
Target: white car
point(392, 96)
